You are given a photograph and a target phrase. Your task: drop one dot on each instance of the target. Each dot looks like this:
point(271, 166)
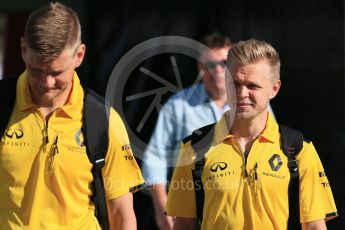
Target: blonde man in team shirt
point(249, 193)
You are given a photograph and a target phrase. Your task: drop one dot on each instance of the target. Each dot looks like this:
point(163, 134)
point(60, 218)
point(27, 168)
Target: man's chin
point(47, 96)
point(220, 89)
point(220, 82)
point(244, 115)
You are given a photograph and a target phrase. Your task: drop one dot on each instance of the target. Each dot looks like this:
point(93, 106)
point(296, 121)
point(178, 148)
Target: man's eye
point(54, 74)
point(237, 84)
point(253, 87)
point(37, 71)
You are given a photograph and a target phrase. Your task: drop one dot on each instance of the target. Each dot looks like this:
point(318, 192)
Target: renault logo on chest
point(79, 138)
point(218, 166)
point(275, 162)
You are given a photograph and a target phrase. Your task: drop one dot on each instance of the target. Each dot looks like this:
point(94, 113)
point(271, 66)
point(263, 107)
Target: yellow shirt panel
point(121, 173)
point(181, 198)
point(316, 199)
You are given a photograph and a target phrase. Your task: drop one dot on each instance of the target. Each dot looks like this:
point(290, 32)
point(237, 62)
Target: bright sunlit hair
point(251, 51)
point(52, 28)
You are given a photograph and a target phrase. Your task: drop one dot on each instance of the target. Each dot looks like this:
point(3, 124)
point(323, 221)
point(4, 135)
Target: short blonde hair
point(52, 28)
point(249, 51)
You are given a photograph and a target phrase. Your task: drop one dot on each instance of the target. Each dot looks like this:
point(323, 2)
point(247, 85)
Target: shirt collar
point(222, 128)
point(23, 96)
point(270, 132)
point(73, 108)
point(204, 98)
point(200, 95)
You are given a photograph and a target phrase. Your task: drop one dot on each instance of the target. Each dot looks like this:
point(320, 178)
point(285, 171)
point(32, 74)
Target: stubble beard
point(245, 115)
point(249, 115)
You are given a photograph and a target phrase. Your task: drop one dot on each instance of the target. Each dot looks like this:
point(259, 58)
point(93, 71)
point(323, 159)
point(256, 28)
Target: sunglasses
point(213, 64)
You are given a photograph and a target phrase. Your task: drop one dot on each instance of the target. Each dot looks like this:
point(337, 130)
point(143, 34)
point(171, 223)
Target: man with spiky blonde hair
point(245, 173)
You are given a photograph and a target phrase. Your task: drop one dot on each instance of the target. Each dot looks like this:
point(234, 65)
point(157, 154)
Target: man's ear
point(275, 88)
point(23, 48)
point(80, 55)
point(200, 67)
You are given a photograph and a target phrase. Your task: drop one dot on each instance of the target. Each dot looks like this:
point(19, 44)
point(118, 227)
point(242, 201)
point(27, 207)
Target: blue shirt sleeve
point(162, 148)
point(184, 112)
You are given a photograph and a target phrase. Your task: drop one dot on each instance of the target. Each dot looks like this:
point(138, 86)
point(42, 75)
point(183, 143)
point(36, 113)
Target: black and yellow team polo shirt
point(45, 172)
point(252, 193)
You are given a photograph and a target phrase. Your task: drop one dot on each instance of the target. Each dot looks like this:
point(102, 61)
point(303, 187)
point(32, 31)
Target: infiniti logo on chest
point(218, 166)
point(15, 133)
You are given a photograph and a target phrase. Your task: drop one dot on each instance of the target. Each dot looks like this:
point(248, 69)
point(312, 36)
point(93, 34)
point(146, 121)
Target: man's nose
point(219, 68)
point(241, 91)
point(47, 80)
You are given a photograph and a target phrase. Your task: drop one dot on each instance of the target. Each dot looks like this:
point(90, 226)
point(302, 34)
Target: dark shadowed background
point(308, 34)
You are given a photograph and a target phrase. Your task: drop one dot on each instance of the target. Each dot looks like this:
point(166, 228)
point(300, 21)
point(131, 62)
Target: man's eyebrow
point(56, 71)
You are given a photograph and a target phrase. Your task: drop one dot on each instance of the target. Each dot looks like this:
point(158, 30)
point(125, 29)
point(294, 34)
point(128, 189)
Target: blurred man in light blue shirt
point(177, 119)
